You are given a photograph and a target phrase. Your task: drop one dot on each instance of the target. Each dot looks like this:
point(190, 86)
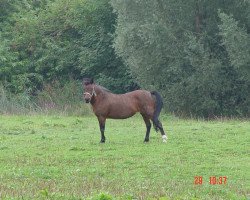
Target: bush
point(62, 98)
point(16, 104)
point(54, 98)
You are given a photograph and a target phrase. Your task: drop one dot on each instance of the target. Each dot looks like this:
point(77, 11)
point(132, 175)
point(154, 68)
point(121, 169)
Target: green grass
point(46, 157)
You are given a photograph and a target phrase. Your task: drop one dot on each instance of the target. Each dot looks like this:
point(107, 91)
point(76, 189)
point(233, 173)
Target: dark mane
point(103, 88)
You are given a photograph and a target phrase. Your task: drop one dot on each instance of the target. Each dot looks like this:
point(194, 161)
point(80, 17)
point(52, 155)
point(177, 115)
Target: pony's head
point(89, 89)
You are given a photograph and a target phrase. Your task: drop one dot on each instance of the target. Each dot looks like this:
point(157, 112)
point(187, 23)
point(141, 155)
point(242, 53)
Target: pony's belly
point(121, 112)
point(121, 116)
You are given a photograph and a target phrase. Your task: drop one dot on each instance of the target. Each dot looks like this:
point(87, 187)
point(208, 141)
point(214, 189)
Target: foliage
point(236, 40)
point(56, 39)
point(15, 104)
point(194, 53)
point(58, 98)
point(55, 98)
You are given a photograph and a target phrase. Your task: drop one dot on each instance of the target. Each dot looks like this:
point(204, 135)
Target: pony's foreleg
point(102, 121)
point(148, 126)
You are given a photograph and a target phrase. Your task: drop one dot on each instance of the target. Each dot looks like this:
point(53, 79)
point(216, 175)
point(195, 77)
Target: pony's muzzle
point(87, 97)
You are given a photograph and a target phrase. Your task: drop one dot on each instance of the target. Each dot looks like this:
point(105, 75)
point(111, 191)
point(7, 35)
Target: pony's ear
point(91, 81)
point(87, 81)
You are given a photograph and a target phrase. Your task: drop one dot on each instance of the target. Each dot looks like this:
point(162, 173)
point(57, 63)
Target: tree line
point(196, 52)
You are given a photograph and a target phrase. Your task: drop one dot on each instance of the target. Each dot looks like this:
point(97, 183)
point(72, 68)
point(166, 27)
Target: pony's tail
point(158, 107)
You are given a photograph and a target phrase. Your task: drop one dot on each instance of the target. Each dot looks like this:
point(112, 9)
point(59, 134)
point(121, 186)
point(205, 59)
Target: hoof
point(164, 138)
point(102, 141)
point(146, 141)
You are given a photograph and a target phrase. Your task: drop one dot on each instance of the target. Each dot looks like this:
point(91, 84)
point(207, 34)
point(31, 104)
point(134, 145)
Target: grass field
point(57, 157)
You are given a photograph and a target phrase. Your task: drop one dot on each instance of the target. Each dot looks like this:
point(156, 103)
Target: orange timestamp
point(213, 180)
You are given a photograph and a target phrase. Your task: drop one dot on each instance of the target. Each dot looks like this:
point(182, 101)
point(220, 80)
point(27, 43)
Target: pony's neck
point(100, 93)
point(101, 90)
point(97, 90)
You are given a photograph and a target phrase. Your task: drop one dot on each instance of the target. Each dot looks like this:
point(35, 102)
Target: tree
point(176, 47)
point(68, 38)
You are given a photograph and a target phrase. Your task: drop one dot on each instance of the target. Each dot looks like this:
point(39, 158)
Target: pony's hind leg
point(158, 125)
point(163, 134)
point(148, 126)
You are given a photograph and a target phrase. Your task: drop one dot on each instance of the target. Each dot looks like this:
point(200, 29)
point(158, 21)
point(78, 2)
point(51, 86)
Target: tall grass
point(55, 98)
point(16, 103)
point(63, 99)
